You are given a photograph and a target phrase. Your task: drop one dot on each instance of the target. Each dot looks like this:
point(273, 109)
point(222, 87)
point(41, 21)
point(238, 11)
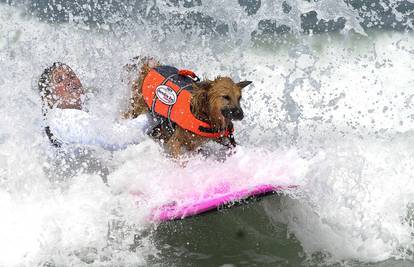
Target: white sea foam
point(336, 111)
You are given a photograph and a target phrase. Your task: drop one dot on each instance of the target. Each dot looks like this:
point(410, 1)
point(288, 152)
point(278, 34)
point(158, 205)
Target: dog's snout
point(237, 113)
point(234, 113)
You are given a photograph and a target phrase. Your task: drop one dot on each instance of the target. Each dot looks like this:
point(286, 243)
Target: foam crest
point(357, 202)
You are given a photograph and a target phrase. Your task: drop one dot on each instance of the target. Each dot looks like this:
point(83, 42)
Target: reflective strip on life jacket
point(167, 99)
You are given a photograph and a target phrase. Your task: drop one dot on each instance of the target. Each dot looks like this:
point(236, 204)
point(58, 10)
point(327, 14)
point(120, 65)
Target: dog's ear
point(243, 84)
point(199, 102)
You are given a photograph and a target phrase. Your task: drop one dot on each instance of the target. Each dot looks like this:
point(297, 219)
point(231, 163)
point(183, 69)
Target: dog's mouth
point(232, 113)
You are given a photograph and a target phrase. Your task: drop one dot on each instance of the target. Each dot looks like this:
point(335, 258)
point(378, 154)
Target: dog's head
point(220, 100)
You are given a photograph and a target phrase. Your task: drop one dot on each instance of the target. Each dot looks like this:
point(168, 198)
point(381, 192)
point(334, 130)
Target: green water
point(240, 236)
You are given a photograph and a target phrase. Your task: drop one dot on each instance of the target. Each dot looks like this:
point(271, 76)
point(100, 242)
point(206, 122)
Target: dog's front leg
point(174, 147)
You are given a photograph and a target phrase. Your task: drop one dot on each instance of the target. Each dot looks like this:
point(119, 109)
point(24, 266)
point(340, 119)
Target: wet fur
point(206, 104)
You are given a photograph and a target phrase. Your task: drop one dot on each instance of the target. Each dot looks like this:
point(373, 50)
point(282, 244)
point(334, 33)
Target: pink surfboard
point(219, 196)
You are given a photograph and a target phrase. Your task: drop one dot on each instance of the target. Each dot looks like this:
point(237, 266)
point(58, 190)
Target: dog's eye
point(226, 97)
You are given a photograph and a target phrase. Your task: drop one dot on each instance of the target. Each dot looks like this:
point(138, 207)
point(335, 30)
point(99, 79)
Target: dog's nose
point(234, 113)
point(237, 114)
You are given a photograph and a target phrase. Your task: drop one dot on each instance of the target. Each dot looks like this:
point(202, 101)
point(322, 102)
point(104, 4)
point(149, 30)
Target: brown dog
point(216, 102)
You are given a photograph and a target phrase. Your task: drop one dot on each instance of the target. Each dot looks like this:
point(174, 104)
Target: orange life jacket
point(167, 92)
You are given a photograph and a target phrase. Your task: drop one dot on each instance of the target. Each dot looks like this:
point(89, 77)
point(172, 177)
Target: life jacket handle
point(189, 73)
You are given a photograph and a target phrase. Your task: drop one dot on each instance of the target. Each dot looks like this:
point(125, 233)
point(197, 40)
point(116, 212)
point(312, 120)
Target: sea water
point(330, 107)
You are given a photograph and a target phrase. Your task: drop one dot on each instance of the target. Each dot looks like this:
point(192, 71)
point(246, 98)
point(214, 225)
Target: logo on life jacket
point(166, 95)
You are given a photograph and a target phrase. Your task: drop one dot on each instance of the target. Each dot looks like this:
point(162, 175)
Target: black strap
point(171, 123)
point(209, 130)
point(231, 136)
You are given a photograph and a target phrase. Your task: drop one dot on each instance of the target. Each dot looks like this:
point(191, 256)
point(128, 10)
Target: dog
point(215, 103)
